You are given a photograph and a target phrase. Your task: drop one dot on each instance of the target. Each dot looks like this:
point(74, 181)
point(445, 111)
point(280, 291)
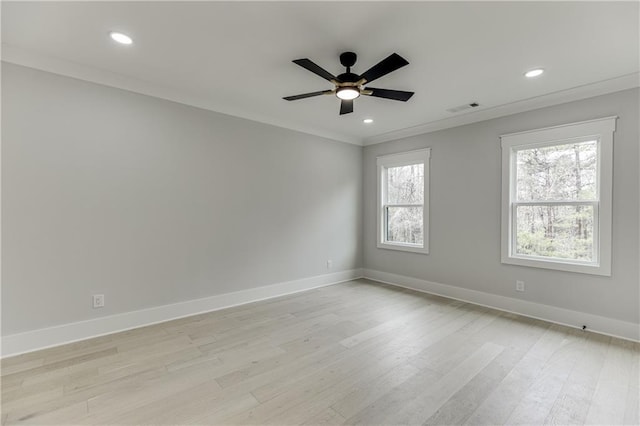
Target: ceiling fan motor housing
point(348, 77)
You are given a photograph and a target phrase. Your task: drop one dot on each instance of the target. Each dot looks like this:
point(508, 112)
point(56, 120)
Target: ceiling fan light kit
point(349, 86)
point(347, 93)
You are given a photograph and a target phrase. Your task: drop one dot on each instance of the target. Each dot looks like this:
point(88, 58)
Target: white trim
point(564, 131)
point(419, 156)
point(599, 88)
point(411, 248)
point(547, 135)
point(406, 157)
point(575, 319)
point(20, 56)
point(29, 341)
point(600, 129)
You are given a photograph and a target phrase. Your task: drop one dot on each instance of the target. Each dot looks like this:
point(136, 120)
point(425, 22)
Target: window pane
point(560, 172)
point(404, 225)
point(405, 185)
point(564, 232)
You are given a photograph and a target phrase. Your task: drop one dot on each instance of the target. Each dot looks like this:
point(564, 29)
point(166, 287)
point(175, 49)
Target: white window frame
point(421, 156)
point(600, 130)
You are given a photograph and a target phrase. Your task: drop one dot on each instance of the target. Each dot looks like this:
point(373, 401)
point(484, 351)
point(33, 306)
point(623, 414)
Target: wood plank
point(464, 402)
point(326, 417)
point(363, 395)
point(573, 402)
point(609, 399)
point(505, 397)
point(425, 404)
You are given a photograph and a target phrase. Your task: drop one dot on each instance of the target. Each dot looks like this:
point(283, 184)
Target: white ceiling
point(235, 57)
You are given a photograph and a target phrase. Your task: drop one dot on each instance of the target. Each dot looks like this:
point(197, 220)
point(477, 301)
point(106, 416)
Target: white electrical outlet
point(519, 285)
point(98, 301)
point(329, 264)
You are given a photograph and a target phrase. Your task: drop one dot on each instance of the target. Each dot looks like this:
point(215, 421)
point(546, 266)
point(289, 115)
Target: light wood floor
point(353, 353)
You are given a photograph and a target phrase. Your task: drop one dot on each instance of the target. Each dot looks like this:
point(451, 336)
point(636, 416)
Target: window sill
point(404, 247)
point(559, 265)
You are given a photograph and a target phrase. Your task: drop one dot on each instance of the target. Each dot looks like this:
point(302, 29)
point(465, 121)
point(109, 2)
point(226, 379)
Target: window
point(403, 201)
point(556, 197)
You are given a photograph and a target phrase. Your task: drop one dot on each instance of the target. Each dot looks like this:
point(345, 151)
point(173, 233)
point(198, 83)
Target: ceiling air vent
point(463, 107)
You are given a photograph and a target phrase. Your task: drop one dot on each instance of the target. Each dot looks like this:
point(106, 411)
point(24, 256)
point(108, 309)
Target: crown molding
point(624, 82)
point(30, 59)
point(19, 56)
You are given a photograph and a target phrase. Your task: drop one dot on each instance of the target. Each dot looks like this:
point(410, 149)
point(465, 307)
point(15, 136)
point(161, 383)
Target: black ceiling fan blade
point(346, 106)
point(314, 68)
point(384, 67)
point(307, 95)
point(396, 95)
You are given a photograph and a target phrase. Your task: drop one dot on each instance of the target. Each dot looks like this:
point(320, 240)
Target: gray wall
point(152, 202)
point(465, 212)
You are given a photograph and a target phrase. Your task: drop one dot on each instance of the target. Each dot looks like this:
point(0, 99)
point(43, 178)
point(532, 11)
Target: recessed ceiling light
point(368, 120)
point(534, 73)
point(121, 38)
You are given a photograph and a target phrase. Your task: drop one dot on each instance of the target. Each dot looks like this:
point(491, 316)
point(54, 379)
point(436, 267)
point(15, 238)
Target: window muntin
point(402, 206)
point(557, 185)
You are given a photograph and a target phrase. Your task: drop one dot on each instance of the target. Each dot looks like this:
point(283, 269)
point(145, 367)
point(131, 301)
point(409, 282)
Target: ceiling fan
point(349, 86)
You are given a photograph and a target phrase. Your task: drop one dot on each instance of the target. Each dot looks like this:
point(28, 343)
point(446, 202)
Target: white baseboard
point(15, 344)
point(603, 325)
